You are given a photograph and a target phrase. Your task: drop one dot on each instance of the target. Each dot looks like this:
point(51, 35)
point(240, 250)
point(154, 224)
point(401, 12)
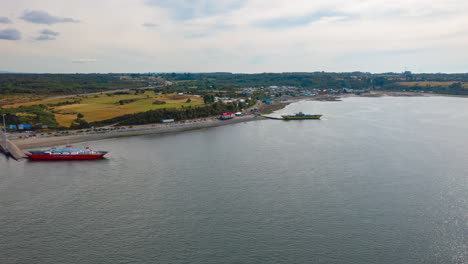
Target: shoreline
point(339, 97)
point(136, 130)
point(150, 129)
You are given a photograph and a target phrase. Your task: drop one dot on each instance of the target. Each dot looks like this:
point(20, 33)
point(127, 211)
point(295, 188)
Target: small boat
point(300, 116)
point(67, 153)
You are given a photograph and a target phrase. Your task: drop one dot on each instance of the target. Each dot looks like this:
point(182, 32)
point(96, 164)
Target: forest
point(61, 83)
point(222, 81)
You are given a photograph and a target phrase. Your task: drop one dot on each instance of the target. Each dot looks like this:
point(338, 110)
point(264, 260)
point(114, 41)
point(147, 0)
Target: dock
point(271, 117)
point(10, 148)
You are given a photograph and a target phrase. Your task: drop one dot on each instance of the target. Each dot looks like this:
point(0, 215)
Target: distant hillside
point(14, 83)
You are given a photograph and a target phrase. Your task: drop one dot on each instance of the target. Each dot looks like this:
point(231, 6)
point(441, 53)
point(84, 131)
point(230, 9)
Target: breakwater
point(10, 148)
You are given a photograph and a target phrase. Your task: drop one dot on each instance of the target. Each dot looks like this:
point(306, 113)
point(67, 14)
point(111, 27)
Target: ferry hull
point(65, 157)
point(301, 117)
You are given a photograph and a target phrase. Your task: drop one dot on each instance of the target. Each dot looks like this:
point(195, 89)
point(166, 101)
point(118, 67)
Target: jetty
point(10, 148)
point(272, 117)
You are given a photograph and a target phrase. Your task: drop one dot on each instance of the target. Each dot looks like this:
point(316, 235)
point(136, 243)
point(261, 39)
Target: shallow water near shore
point(378, 180)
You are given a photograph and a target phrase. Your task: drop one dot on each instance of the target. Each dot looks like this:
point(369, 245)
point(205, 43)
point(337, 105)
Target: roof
point(228, 113)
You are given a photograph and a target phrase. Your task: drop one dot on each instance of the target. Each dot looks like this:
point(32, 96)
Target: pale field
point(430, 83)
point(16, 98)
point(101, 107)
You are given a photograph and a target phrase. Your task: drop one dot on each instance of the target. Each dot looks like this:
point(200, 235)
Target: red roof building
point(227, 115)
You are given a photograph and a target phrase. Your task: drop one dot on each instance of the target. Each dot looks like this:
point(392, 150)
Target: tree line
point(184, 113)
point(61, 83)
point(212, 82)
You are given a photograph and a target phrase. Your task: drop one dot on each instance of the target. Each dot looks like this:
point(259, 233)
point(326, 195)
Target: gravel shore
point(49, 141)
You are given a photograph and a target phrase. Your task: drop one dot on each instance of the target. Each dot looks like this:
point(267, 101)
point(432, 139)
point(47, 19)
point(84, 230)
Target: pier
point(10, 148)
point(271, 117)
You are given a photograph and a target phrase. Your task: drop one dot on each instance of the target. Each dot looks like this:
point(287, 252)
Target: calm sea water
point(378, 180)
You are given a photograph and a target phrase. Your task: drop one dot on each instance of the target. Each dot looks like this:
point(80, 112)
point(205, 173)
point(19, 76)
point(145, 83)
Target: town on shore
point(40, 110)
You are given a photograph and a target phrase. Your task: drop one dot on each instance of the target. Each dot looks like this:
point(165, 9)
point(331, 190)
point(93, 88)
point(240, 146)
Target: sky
point(242, 36)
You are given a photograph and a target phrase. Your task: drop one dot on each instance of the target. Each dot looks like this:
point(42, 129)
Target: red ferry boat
point(67, 153)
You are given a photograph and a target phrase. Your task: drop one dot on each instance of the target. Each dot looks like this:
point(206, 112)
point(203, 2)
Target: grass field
point(101, 107)
point(431, 84)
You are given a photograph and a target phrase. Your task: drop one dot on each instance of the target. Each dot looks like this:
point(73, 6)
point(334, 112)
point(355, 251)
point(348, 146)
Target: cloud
point(150, 25)
point(285, 22)
point(47, 34)
point(42, 17)
point(334, 35)
point(87, 60)
point(45, 37)
point(199, 31)
point(10, 34)
point(190, 9)
point(5, 20)
point(197, 35)
point(392, 53)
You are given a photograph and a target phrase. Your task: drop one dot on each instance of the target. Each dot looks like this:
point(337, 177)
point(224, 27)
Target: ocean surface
point(377, 180)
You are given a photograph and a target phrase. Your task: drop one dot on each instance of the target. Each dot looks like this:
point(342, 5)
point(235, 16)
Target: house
point(224, 116)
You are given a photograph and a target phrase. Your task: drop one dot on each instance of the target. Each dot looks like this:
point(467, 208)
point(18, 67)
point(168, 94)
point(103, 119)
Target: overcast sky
point(233, 35)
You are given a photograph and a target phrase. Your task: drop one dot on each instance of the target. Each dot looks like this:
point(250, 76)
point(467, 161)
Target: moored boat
point(67, 153)
point(300, 116)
